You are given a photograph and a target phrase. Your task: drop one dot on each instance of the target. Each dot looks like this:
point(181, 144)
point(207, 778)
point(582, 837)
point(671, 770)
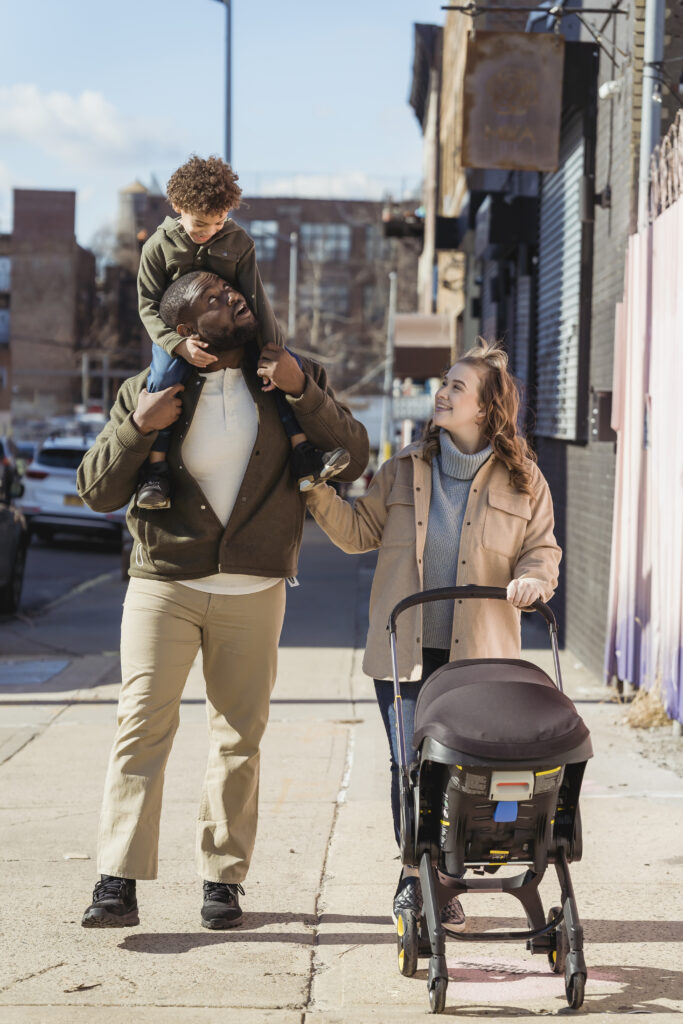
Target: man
point(208, 573)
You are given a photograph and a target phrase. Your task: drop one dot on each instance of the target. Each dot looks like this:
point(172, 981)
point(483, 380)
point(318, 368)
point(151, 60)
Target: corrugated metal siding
point(559, 280)
point(520, 365)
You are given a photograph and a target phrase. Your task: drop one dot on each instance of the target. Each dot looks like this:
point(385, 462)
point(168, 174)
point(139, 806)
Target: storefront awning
point(422, 345)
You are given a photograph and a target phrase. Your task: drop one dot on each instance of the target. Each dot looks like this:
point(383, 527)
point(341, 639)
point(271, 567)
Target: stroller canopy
point(500, 708)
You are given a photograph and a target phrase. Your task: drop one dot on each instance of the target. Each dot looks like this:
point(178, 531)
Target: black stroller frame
point(557, 836)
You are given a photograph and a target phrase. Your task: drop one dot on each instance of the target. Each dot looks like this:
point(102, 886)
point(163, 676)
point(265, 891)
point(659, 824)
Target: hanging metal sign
point(512, 101)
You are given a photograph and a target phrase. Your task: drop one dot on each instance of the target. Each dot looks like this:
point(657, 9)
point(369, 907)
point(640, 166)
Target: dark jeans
point(432, 658)
point(167, 370)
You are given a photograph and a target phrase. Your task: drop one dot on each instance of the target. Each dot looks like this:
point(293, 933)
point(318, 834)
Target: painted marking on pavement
point(30, 673)
point(482, 981)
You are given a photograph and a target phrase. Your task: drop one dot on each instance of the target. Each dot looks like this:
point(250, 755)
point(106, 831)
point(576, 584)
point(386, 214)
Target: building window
point(377, 247)
point(330, 298)
point(5, 273)
point(4, 326)
point(3, 378)
point(326, 242)
point(265, 235)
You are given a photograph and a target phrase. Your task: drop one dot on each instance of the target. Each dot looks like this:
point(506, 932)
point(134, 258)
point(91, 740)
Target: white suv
point(51, 502)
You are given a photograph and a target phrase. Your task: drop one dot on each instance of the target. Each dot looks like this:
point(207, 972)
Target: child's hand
point(192, 351)
point(278, 368)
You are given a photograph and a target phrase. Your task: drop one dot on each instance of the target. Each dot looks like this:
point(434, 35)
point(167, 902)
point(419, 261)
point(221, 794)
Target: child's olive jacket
point(505, 535)
point(188, 541)
point(170, 252)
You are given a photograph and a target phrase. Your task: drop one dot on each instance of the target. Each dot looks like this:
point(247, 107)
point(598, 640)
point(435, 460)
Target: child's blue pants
point(167, 370)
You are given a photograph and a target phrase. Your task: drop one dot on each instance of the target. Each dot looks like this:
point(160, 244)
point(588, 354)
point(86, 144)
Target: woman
point(466, 505)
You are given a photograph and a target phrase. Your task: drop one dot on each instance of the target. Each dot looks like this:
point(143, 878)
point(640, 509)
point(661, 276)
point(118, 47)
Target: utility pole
point(386, 429)
point(228, 79)
point(293, 267)
point(651, 116)
point(85, 379)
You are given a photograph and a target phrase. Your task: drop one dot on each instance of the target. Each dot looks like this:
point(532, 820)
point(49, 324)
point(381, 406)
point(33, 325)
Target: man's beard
point(224, 341)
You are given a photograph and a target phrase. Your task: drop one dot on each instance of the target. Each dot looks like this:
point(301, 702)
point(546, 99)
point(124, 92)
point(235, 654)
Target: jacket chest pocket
point(399, 529)
point(505, 522)
point(178, 266)
point(225, 265)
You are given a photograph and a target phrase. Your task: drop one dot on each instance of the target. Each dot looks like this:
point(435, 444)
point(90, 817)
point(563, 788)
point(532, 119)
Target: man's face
point(219, 314)
point(201, 227)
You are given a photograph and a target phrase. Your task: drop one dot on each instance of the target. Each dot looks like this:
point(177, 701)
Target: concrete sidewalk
point(317, 944)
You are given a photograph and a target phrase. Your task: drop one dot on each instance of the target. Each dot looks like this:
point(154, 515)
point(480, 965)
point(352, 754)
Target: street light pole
point(228, 79)
point(387, 428)
point(293, 266)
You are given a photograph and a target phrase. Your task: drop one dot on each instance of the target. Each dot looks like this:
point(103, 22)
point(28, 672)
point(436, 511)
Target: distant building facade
point(47, 295)
point(340, 266)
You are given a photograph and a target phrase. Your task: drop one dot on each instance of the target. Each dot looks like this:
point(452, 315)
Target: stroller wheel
point(560, 946)
point(406, 936)
point(575, 990)
point(437, 995)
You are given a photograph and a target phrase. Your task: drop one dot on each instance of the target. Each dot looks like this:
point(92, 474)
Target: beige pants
point(164, 626)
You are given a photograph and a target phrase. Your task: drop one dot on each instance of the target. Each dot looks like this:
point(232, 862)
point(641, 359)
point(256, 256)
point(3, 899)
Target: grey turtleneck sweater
point(452, 475)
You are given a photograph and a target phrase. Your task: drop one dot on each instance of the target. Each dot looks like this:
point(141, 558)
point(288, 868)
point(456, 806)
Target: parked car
point(14, 538)
point(8, 468)
point(51, 502)
point(24, 455)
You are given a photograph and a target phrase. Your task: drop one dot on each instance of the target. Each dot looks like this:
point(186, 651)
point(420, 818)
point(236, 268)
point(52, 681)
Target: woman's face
point(457, 406)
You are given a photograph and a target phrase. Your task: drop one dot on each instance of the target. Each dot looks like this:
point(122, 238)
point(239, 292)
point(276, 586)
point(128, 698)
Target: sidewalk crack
point(34, 974)
point(316, 966)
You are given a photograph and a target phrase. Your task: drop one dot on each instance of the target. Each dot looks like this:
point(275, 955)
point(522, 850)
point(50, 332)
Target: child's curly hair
point(204, 186)
point(499, 393)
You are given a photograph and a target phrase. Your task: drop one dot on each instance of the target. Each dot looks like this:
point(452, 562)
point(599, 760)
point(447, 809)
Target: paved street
point(317, 944)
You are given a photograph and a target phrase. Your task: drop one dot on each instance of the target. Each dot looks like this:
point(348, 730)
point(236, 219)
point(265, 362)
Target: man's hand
point(523, 593)
point(279, 369)
point(158, 409)
point(192, 351)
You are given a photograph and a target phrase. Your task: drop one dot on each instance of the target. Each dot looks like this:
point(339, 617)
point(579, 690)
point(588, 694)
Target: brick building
point(50, 299)
point(537, 259)
point(340, 275)
point(342, 265)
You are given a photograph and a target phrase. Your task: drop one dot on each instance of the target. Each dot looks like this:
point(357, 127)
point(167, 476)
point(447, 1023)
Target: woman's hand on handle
point(522, 593)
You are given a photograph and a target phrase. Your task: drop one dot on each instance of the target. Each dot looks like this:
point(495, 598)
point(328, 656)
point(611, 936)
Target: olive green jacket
point(170, 252)
point(187, 541)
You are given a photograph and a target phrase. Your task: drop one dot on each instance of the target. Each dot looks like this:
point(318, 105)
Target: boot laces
point(222, 892)
point(109, 888)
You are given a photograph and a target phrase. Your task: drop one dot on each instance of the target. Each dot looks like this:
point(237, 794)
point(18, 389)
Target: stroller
point(501, 753)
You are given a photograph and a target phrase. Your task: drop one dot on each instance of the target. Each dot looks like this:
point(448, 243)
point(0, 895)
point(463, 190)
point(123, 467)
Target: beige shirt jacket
point(505, 535)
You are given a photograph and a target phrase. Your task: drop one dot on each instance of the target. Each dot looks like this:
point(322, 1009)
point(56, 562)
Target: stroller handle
point(448, 593)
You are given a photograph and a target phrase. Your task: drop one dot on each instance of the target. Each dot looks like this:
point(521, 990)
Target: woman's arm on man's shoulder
point(358, 527)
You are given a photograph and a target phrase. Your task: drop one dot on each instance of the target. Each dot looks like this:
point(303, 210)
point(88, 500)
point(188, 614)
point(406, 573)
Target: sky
point(96, 95)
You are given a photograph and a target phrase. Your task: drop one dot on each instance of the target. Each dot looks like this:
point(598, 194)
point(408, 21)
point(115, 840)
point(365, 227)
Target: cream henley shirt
point(216, 452)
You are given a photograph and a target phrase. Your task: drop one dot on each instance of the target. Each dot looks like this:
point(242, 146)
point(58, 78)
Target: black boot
point(154, 490)
point(113, 904)
point(312, 466)
point(221, 908)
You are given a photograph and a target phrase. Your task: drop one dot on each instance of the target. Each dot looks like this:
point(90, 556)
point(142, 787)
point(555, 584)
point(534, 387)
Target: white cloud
point(80, 129)
point(351, 185)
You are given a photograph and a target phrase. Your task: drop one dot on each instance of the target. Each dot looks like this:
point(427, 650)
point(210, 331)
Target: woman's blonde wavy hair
point(499, 394)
